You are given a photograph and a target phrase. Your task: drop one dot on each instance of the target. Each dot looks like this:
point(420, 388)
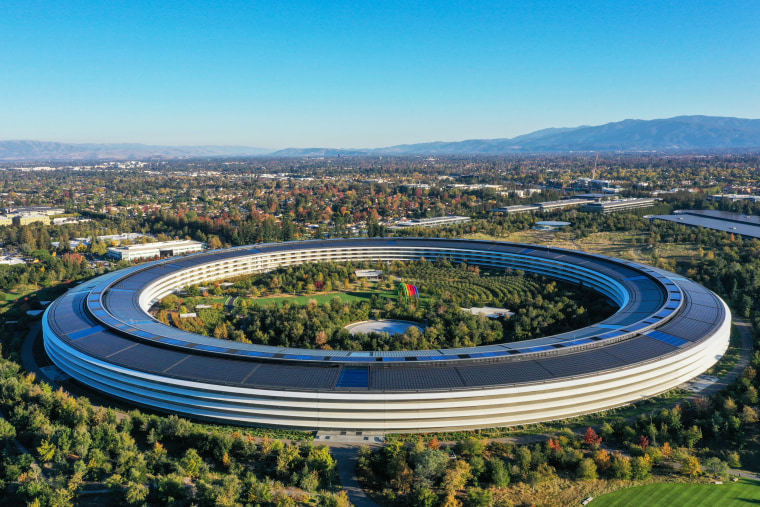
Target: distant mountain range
point(682, 133)
point(41, 151)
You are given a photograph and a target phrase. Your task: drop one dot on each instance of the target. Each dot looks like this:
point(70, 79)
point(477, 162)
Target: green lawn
point(742, 493)
point(8, 299)
point(191, 301)
point(7, 296)
point(322, 298)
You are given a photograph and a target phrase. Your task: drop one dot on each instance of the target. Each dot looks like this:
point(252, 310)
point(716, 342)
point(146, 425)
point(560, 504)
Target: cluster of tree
point(323, 326)
point(729, 419)
point(541, 308)
point(305, 278)
point(145, 458)
point(234, 208)
point(49, 270)
point(37, 237)
point(479, 473)
point(230, 204)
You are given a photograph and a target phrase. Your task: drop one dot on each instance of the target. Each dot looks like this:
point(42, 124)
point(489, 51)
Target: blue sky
point(365, 74)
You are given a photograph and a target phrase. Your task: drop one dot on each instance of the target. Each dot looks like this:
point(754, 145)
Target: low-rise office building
point(30, 219)
point(541, 206)
point(618, 205)
point(431, 222)
point(517, 208)
point(154, 250)
point(9, 260)
point(34, 210)
point(127, 236)
point(734, 197)
point(370, 274)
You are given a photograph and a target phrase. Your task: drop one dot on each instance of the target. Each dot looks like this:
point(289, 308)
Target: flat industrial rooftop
point(726, 221)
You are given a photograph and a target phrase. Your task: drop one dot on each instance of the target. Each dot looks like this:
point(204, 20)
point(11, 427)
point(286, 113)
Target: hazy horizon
point(365, 76)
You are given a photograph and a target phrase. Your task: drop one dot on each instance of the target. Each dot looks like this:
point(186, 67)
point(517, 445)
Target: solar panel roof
point(121, 338)
point(749, 230)
point(727, 216)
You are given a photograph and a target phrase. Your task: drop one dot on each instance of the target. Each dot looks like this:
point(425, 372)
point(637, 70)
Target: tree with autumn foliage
point(691, 467)
point(602, 459)
point(591, 439)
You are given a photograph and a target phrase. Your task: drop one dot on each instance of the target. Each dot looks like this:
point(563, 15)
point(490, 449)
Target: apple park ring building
point(667, 330)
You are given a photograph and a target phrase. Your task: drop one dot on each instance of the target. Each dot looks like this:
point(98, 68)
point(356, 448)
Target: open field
point(320, 297)
point(624, 245)
point(550, 238)
point(323, 298)
point(9, 299)
point(742, 493)
point(618, 244)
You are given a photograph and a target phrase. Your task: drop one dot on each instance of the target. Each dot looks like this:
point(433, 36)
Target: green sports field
point(742, 493)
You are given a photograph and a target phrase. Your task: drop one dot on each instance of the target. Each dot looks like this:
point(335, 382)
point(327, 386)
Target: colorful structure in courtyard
point(407, 290)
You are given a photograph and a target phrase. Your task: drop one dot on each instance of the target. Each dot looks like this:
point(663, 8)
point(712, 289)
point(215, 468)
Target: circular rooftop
point(667, 330)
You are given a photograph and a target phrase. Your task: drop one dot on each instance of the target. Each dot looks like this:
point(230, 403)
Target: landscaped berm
point(731, 494)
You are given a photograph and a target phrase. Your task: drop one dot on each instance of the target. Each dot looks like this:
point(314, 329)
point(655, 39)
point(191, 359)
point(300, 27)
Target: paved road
point(746, 475)
point(745, 331)
point(347, 456)
point(27, 354)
